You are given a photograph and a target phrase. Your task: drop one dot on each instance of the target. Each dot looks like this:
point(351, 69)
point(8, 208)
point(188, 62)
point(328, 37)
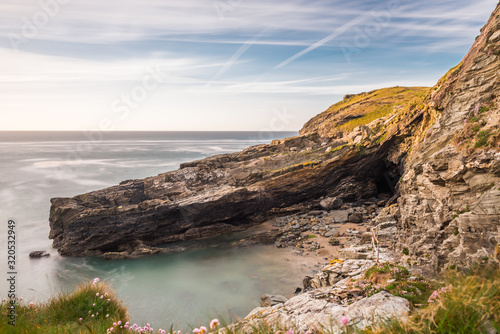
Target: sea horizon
point(39, 165)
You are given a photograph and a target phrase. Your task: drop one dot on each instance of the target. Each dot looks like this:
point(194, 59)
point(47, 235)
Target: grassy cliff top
point(360, 109)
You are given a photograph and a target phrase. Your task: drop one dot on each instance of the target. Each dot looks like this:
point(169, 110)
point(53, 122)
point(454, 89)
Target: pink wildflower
point(344, 320)
point(214, 323)
point(196, 331)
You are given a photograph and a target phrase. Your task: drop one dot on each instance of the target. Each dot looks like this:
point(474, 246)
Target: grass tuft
point(471, 306)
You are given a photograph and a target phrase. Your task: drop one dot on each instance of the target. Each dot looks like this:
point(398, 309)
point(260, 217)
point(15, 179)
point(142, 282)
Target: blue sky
point(216, 64)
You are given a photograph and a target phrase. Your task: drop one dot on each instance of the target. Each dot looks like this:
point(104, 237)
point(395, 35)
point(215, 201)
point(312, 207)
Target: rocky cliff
point(450, 191)
point(436, 149)
point(223, 193)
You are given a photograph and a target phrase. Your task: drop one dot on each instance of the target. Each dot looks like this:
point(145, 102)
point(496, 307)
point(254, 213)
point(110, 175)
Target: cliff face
point(214, 196)
point(227, 192)
point(441, 144)
point(450, 192)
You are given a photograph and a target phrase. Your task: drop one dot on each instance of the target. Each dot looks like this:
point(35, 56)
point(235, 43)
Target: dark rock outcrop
point(38, 254)
point(214, 196)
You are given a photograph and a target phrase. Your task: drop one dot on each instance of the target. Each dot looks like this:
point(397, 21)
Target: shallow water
point(169, 288)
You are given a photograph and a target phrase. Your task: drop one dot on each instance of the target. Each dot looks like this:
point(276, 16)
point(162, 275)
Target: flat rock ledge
point(314, 311)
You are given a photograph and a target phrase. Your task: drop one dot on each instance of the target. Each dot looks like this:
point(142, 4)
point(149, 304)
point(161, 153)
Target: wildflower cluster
point(214, 326)
point(100, 306)
point(136, 328)
point(437, 293)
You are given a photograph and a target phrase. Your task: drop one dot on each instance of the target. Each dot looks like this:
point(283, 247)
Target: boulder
point(333, 232)
point(331, 203)
point(339, 216)
point(355, 218)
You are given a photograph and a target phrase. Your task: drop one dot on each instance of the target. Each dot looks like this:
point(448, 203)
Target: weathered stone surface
point(336, 272)
point(339, 216)
point(450, 204)
point(265, 238)
point(214, 196)
point(333, 232)
point(134, 252)
point(355, 218)
point(309, 311)
point(331, 203)
point(271, 300)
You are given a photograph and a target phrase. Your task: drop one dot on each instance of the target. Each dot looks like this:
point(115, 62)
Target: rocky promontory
point(224, 193)
point(432, 154)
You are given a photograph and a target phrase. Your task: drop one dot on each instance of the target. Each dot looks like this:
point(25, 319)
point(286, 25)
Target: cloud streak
point(262, 54)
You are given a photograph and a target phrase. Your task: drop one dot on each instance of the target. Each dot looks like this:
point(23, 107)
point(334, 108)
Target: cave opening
point(387, 178)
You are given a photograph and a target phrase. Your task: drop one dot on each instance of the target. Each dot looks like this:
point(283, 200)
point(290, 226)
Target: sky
point(216, 65)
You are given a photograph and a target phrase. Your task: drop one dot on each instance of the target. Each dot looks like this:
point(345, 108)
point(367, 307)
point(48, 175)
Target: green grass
point(472, 306)
point(338, 148)
point(482, 139)
point(396, 280)
point(362, 109)
point(62, 314)
point(380, 111)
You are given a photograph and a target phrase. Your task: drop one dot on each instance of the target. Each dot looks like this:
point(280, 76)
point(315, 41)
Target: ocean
point(211, 278)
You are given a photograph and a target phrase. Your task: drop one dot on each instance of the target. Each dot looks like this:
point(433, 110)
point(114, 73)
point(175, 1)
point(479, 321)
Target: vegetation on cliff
point(361, 109)
point(91, 308)
point(468, 303)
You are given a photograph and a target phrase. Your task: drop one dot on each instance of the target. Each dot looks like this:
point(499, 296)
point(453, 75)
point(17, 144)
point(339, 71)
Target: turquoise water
point(180, 288)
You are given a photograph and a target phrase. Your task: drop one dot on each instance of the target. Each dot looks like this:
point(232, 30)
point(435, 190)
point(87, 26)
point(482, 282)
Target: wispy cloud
point(260, 54)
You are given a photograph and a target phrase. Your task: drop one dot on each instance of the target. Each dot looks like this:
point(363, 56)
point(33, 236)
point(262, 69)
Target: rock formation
point(221, 194)
point(450, 191)
point(435, 151)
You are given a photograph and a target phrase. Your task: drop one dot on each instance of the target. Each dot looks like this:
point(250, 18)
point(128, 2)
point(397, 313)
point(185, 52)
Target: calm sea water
point(181, 288)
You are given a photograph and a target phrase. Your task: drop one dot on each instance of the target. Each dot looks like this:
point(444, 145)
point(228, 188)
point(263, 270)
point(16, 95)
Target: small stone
point(333, 232)
point(38, 254)
point(334, 241)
